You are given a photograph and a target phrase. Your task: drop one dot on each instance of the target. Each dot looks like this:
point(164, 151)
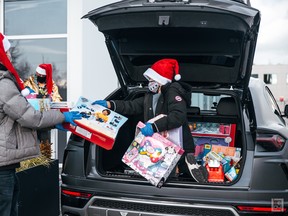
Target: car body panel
point(215, 40)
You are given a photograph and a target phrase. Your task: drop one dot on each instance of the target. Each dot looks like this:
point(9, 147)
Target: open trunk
point(214, 44)
point(214, 119)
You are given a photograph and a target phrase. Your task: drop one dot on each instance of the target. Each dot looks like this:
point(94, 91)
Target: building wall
point(280, 88)
point(90, 71)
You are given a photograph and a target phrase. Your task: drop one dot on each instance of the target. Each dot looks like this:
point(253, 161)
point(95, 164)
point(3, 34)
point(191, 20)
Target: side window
point(270, 79)
point(274, 105)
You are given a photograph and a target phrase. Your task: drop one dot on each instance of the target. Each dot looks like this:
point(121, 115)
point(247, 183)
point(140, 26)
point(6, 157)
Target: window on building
point(270, 78)
point(255, 75)
point(24, 17)
point(37, 31)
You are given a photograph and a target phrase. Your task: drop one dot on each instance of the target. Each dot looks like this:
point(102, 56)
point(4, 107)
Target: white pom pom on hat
point(177, 77)
point(163, 71)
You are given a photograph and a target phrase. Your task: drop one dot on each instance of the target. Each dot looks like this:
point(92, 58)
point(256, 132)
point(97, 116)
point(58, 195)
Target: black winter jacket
point(172, 102)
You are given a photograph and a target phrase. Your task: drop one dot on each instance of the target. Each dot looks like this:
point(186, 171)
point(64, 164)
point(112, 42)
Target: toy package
point(41, 104)
point(99, 125)
point(221, 161)
point(213, 134)
point(152, 157)
point(63, 106)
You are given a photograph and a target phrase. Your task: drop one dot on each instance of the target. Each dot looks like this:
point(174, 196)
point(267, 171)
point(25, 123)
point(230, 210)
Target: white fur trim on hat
point(41, 71)
point(6, 44)
point(25, 92)
point(152, 74)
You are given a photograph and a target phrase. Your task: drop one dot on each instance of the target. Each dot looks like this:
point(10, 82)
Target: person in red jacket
point(164, 97)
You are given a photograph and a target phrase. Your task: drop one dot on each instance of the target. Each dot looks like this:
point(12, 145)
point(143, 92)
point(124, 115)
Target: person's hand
point(147, 130)
point(60, 127)
point(101, 103)
point(30, 90)
point(71, 116)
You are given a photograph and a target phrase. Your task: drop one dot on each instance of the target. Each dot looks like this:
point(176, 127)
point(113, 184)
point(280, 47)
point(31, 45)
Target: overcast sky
point(272, 44)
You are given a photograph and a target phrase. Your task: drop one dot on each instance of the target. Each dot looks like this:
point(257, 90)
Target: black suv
point(214, 42)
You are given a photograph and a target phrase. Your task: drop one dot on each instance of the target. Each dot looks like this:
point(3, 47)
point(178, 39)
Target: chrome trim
point(155, 202)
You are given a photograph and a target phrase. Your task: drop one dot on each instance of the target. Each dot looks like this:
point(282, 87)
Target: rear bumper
point(98, 205)
point(123, 198)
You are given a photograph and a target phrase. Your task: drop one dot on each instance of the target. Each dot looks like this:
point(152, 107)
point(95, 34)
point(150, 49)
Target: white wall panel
point(90, 71)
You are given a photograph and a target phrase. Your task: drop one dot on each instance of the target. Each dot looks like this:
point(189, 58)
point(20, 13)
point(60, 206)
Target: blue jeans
point(9, 193)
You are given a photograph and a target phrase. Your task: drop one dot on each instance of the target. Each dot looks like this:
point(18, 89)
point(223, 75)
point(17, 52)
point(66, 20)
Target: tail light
point(76, 194)
point(260, 209)
point(270, 142)
point(74, 198)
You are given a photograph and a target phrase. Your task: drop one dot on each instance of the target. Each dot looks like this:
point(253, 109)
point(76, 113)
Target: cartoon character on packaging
point(157, 169)
point(131, 154)
point(155, 153)
point(169, 156)
point(140, 165)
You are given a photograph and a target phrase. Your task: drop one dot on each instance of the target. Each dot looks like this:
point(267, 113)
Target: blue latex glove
point(101, 103)
point(60, 127)
point(147, 130)
point(71, 116)
point(30, 90)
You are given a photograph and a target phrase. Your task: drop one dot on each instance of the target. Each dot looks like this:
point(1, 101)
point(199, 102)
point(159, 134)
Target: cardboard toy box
point(98, 125)
point(152, 157)
point(41, 104)
point(212, 134)
point(63, 106)
point(227, 151)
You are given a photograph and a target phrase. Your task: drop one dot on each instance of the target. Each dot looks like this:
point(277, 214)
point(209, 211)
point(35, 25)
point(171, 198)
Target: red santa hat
point(163, 71)
point(46, 70)
point(4, 47)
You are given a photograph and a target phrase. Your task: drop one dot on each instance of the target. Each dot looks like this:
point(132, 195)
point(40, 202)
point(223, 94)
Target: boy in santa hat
point(18, 122)
point(42, 83)
point(164, 97)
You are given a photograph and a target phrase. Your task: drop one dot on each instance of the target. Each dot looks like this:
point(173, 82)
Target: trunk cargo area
point(217, 132)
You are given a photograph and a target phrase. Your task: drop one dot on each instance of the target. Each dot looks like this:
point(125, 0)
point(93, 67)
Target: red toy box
point(215, 172)
point(98, 125)
point(213, 133)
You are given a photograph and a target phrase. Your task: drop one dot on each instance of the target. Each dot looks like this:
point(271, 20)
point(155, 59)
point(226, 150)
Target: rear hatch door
point(213, 41)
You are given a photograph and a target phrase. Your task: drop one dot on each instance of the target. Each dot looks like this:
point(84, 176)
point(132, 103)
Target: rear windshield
point(206, 102)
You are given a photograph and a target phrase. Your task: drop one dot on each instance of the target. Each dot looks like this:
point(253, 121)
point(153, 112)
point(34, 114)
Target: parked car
point(214, 42)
